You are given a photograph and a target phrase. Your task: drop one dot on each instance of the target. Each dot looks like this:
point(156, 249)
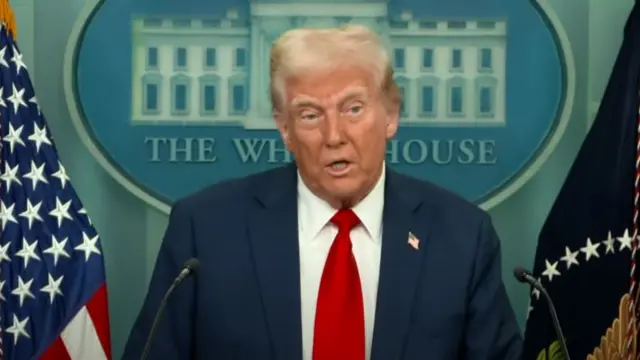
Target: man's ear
point(392, 121)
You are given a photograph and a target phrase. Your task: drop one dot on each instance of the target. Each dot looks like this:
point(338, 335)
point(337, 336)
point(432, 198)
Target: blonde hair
point(304, 50)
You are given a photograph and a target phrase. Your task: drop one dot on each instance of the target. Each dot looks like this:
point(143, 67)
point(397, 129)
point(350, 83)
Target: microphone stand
point(556, 322)
point(190, 267)
point(525, 276)
point(156, 320)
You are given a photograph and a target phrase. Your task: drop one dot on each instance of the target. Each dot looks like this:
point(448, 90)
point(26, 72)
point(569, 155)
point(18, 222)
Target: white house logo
point(171, 96)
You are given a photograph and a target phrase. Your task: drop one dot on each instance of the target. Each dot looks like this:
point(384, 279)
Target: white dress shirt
point(315, 235)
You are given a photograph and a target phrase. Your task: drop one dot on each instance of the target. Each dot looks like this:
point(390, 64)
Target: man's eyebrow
point(304, 100)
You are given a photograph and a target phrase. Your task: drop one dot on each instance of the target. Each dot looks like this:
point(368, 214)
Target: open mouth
point(339, 167)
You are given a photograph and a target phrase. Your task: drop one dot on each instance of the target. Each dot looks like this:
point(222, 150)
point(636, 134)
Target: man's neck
point(346, 202)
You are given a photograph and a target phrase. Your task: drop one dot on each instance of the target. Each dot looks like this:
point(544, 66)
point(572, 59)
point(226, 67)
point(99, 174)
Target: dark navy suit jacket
point(444, 301)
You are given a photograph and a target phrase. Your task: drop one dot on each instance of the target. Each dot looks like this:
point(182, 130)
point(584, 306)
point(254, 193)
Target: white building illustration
point(214, 71)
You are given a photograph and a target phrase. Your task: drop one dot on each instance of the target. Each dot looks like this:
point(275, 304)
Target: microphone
point(525, 276)
point(189, 268)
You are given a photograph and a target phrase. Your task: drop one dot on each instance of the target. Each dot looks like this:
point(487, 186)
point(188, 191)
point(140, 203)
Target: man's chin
point(344, 192)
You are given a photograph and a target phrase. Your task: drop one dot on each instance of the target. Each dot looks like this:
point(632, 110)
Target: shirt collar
point(316, 213)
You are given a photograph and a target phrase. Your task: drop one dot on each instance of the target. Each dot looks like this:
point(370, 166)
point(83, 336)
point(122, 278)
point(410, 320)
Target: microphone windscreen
point(520, 274)
point(192, 264)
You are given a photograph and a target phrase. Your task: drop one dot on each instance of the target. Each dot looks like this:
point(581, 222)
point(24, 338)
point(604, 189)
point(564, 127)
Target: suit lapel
point(273, 234)
point(399, 267)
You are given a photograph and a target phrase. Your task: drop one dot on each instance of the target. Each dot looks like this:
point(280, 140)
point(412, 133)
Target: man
point(335, 257)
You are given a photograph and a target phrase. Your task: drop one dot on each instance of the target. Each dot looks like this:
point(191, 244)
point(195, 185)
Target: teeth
point(339, 165)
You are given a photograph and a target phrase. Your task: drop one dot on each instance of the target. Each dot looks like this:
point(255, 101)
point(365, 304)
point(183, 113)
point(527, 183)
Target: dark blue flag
point(586, 246)
point(53, 291)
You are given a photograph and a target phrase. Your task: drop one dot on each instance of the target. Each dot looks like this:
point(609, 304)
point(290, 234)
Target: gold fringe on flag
point(8, 19)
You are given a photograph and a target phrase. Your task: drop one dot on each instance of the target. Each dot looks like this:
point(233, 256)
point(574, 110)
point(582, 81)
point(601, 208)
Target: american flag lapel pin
point(413, 241)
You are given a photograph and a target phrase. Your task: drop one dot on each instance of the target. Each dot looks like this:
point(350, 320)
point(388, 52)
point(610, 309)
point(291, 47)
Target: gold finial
point(7, 17)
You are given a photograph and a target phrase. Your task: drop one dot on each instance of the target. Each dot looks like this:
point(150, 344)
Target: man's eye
point(306, 116)
point(355, 110)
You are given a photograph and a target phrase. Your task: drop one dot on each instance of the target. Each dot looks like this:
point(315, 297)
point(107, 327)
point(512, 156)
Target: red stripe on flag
point(56, 351)
point(98, 308)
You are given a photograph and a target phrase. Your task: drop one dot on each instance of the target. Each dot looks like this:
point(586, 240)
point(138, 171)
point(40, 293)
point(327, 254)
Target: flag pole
point(8, 20)
point(632, 327)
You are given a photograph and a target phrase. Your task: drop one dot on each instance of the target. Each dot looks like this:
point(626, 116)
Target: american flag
point(53, 293)
point(413, 241)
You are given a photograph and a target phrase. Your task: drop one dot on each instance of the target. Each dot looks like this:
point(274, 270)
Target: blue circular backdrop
point(534, 93)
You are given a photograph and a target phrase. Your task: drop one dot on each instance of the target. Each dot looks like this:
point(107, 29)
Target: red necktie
point(339, 323)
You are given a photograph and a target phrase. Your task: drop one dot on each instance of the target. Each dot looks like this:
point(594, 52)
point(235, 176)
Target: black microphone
point(189, 268)
point(525, 276)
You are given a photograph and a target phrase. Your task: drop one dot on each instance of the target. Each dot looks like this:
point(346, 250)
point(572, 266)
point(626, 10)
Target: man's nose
point(334, 131)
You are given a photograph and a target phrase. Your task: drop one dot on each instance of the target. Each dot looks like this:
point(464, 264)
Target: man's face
point(336, 125)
